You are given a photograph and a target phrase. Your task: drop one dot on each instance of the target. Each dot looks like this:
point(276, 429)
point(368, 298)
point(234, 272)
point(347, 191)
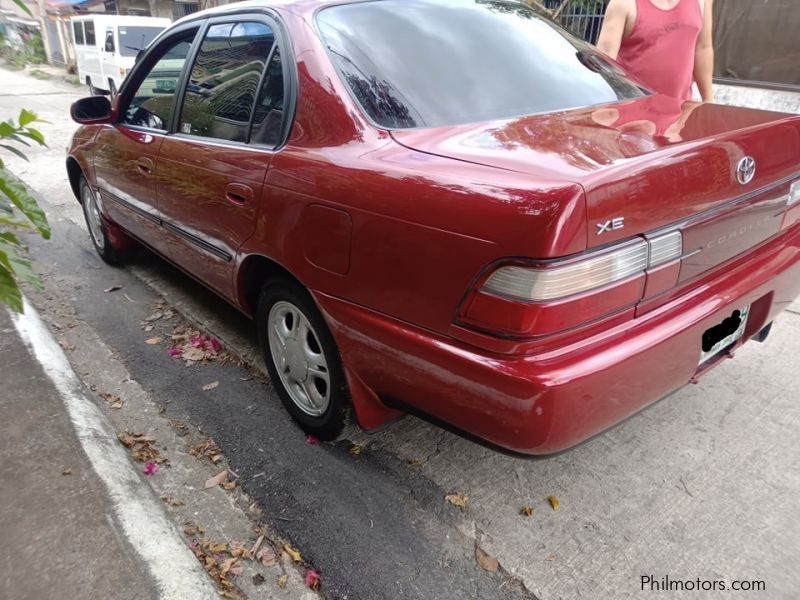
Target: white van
point(106, 47)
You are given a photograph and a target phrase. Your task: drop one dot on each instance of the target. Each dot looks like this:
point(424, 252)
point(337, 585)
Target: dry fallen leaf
point(415, 462)
point(229, 486)
point(65, 345)
point(458, 499)
point(218, 479)
point(526, 511)
point(207, 449)
point(487, 563)
point(239, 550)
point(154, 340)
point(551, 557)
point(267, 557)
point(216, 547)
point(180, 428)
point(190, 528)
point(293, 552)
point(282, 581)
point(355, 450)
point(553, 502)
point(67, 471)
point(230, 565)
point(112, 400)
point(210, 386)
point(191, 354)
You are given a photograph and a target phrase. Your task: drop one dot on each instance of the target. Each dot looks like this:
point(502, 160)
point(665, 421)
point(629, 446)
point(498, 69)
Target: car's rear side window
point(268, 114)
point(427, 63)
point(225, 79)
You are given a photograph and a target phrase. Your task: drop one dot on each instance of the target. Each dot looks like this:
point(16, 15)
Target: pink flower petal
point(150, 467)
point(312, 439)
point(312, 579)
point(175, 351)
point(215, 345)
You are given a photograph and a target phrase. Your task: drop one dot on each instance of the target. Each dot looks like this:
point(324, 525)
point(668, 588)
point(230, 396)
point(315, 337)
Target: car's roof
point(300, 6)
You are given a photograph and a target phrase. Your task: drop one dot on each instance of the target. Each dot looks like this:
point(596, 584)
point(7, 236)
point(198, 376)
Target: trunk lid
point(655, 162)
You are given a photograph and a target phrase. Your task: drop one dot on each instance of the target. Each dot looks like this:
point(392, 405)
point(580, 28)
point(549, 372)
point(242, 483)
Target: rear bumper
point(545, 403)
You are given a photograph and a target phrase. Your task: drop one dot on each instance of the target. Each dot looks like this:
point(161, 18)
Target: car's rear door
point(211, 169)
point(127, 150)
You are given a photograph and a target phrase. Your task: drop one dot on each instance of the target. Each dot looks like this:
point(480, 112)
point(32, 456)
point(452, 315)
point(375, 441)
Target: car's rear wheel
point(302, 359)
point(98, 231)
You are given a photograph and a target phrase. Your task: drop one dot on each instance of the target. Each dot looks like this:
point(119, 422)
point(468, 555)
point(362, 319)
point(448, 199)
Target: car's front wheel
point(110, 252)
point(302, 359)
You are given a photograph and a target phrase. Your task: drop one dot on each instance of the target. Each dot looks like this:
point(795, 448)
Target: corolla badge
point(746, 170)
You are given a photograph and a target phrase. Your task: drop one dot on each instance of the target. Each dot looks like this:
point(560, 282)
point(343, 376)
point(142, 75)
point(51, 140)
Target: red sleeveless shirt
point(660, 49)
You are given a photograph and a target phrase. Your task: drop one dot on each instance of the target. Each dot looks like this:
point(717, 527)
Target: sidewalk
point(60, 530)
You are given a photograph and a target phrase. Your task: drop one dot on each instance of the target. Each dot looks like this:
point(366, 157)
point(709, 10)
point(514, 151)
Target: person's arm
point(704, 56)
point(614, 25)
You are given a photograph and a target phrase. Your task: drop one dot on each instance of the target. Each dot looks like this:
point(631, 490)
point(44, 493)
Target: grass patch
point(37, 74)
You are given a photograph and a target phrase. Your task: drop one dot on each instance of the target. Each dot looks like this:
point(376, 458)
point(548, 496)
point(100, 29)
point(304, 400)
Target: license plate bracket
point(724, 334)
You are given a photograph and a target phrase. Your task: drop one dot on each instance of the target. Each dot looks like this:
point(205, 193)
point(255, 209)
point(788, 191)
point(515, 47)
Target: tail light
point(794, 193)
point(528, 298)
point(792, 215)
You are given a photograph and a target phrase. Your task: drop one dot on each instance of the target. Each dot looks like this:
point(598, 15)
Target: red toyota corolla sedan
point(446, 206)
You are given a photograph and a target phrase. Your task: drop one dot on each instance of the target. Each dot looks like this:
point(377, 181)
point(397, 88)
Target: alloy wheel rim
point(93, 218)
point(297, 355)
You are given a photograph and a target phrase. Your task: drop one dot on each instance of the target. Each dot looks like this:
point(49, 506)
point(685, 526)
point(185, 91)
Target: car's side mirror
point(91, 110)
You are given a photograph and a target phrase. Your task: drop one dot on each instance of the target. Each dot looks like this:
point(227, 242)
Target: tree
point(19, 211)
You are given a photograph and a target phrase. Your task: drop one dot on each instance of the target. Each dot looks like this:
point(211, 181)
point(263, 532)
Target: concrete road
point(703, 485)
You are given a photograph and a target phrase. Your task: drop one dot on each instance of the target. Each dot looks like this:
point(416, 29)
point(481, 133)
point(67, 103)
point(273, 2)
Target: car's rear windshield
point(134, 39)
point(429, 63)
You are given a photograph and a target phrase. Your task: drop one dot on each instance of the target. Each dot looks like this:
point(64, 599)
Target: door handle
point(238, 193)
point(145, 165)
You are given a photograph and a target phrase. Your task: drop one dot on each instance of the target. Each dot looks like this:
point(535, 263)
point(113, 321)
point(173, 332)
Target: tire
point(305, 369)
point(98, 231)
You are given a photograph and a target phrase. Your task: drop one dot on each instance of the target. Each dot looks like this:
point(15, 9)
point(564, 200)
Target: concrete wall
point(133, 7)
point(779, 101)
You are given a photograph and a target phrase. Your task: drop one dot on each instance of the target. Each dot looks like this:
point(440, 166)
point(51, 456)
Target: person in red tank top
point(666, 44)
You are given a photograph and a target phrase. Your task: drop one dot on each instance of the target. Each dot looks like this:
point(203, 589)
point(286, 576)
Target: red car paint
point(394, 232)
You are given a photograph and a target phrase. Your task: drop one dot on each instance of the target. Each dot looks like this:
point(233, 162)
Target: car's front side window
point(151, 103)
point(224, 81)
point(109, 40)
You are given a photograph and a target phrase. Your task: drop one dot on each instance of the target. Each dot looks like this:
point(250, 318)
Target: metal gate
point(582, 18)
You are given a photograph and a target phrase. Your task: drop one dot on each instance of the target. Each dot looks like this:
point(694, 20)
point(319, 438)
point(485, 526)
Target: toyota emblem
point(746, 170)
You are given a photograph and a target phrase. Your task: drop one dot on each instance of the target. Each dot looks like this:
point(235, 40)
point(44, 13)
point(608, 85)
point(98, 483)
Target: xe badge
point(611, 225)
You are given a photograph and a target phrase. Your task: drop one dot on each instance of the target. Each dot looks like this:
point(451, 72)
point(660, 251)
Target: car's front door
point(127, 151)
point(211, 169)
